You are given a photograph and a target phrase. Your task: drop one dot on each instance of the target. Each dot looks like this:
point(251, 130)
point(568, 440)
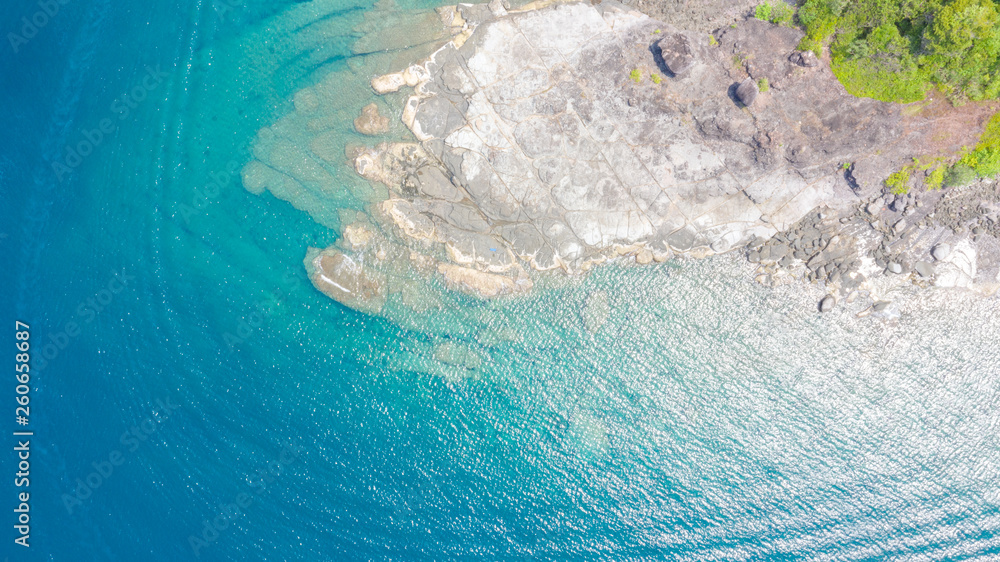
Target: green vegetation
point(959, 174)
point(845, 165)
point(713, 41)
point(655, 78)
point(779, 12)
point(981, 161)
point(656, 31)
point(899, 182)
point(763, 85)
point(936, 179)
point(895, 51)
point(636, 76)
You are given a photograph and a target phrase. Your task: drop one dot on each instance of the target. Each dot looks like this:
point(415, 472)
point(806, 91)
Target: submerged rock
point(345, 280)
point(370, 122)
point(458, 355)
point(481, 283)
point(596, 311)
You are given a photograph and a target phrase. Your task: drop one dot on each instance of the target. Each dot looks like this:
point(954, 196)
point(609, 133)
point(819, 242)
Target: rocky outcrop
point(559, 138)
point(545, 141)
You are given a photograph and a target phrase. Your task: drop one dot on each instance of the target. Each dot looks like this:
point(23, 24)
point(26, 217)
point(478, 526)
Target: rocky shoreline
point(557, 137)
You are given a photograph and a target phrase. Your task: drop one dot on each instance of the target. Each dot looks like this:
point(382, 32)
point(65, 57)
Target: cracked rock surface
point(545, 140)
point(559, 137)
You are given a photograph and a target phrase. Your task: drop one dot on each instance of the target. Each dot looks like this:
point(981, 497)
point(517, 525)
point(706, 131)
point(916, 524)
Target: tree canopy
point(896, 50)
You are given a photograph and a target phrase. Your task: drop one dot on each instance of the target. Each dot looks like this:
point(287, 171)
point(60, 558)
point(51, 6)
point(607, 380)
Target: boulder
point(827, 303)
point(941, 251)
point(804, 58)
point(747, 91)
point(677, 53)
point(895, 267)
point(370, 122)
point(924, 269)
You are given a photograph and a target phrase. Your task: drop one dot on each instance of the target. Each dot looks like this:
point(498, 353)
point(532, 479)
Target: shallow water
point(707, 418)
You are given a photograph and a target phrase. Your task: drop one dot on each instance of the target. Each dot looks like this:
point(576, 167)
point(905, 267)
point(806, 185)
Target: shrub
point(636, 76)
point(782, 14)
point(984, 159)
point(862, 80)
point(936, 178)
point(958, 175)
point(778, 13)
point(763, 11)
point(655, 78)
point(899, 182)
point(712, 40)
point(763, 85)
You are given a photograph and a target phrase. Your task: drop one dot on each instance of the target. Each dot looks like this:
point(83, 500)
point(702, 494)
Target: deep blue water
point(708, 419)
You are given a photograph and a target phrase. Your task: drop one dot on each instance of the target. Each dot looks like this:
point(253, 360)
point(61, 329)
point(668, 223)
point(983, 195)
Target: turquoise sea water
point(709, 418)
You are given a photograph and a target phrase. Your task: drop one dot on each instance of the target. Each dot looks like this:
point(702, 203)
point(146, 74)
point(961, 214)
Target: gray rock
point(682, 240)
point(677, 53)
point(432, 182)
point(895, 267)
point(827, 303)
point(879, 306)
point(924, 269)
point(497, 8)
point(816, 261)
point(559, 159)
point(941, 251)
point(804, 58)
point(747, 91)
